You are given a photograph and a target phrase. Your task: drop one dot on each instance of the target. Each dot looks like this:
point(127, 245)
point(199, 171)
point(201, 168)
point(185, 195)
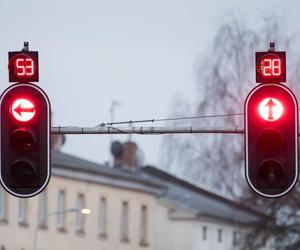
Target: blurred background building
point(132, 207)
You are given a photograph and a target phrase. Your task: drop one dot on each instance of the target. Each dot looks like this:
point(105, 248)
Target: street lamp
point(70, 210)
point(85, 211)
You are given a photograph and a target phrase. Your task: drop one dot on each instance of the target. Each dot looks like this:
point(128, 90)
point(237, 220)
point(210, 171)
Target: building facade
point(139, 209)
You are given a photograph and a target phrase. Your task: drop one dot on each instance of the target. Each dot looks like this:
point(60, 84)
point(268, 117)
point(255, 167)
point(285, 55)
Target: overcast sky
point(136, 52)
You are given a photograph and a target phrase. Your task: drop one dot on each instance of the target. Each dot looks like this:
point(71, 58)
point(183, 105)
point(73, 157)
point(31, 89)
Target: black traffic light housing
point(25, 139)
point(271, 139)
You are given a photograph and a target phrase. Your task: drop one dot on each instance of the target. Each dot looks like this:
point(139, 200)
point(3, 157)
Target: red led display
point(23, 66)
point(270, 67)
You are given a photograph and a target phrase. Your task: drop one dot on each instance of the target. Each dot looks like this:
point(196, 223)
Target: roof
point(201, 201)
point(69, 166)
point(158, 182)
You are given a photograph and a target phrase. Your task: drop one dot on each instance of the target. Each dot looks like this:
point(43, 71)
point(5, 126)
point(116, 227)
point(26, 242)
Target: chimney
point(126, 155)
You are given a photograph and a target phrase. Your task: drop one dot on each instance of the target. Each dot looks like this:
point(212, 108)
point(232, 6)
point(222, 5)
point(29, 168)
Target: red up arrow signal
point(270, 105)
point(270, 109)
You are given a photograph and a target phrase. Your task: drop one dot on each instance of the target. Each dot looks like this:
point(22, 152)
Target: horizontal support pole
point(145, 130)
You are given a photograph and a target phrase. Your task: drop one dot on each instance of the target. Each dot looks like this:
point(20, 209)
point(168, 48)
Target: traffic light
point(25, 139)
point(271, 139)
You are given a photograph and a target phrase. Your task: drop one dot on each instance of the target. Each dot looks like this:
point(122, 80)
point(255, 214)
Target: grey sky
point(140, 53)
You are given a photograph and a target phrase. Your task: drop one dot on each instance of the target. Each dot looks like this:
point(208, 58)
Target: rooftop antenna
point(272, 47)
point(113, 105)
point(26, 46)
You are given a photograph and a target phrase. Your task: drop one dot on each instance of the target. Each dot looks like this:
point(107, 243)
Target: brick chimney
point(125, 155)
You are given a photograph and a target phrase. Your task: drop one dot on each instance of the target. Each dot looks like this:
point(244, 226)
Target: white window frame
point(22, 215)
point(124, 222)
point(102, 217)
point(3, 205)
point(79, 219)
point(236, 238)
point(220, 235)
point(61, 203)
point(204, 233)
point(144, 227)
point(42, 220)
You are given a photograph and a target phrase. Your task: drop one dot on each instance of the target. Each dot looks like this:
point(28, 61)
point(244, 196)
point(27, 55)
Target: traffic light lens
point(23, 174)
point(270, 109)
point(23, 110)
point(23, 140)
point(271, 174)
point(270, 141)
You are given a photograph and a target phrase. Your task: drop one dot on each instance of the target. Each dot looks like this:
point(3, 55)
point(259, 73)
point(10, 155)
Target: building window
point(22, 212)
point(124, 230)
point(61, 200)
point(236, 239)
point(102, 220)
point(144, 226)
point(42, 210)
point(204, 233)
point(220, 235)
point(3, 205)
point(79, 220)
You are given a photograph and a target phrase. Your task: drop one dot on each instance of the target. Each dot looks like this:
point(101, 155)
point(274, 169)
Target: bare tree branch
point(225, 77)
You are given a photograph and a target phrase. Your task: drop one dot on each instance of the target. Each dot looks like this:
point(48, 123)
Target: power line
point(169, 119)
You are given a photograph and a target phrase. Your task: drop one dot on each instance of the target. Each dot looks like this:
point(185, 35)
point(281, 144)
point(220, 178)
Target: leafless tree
point(226, 74)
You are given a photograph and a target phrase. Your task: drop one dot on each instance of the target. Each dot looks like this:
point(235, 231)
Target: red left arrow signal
point(19, 109)
point(23, 110)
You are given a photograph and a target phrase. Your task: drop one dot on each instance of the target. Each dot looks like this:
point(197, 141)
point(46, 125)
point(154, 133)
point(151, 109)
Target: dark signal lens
point(270, 140)
point(23, 139)
point(23, 173)
point(271, 174)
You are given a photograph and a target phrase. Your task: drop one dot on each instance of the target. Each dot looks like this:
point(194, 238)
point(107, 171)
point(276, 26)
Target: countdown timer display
point(23, 66)
point(270, 67)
